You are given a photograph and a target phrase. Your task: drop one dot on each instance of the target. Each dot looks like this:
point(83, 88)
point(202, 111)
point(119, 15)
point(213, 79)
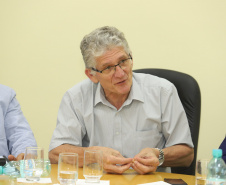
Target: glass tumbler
point(201, 171)
point(93, 165)
point(68, 168)
point(33, 163)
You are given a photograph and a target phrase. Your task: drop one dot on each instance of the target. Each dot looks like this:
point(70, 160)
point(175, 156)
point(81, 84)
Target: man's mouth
point(121, 82)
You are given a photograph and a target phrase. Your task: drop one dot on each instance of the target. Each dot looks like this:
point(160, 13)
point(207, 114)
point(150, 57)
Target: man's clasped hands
point(144, 162)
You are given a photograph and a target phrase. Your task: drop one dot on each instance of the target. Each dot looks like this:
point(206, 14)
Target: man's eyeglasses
point(123, 64)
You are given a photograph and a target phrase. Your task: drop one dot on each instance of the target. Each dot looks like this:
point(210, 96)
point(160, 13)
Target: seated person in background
point(223, 147)
point(15, 132)
point(137, 120)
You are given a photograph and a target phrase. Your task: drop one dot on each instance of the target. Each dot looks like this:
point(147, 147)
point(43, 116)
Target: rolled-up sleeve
point(174, 120)
point(68, 129)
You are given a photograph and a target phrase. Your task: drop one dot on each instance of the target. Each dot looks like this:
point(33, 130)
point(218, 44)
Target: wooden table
point(130, 177)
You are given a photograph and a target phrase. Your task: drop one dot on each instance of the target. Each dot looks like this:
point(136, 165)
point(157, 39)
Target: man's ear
point(92, 77)
point(132, 61)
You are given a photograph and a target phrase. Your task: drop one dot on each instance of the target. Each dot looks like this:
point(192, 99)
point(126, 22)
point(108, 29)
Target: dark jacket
point(223, 147)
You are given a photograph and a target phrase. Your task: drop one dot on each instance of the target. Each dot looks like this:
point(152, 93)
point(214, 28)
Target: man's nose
point(118, 71)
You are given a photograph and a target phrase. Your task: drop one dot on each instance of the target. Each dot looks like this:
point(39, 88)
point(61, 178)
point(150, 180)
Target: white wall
point(40, 56)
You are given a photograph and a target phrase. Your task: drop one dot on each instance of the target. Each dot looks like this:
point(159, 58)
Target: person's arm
point(178, 156)
point(54, 153)
point(113, 161)
point(175, 130)
point(178, 149)
point(18, 131)
point(147, 160)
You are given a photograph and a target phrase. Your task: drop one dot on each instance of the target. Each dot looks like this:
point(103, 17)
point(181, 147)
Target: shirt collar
point(135, 94)
point(99, 95)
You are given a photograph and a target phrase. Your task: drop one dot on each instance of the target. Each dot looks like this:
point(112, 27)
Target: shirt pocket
point(148, 138)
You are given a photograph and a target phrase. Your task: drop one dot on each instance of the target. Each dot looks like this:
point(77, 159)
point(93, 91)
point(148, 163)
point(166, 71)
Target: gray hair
point(99, 41)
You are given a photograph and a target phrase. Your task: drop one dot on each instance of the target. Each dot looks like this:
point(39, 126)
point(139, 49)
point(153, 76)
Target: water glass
point(93, 165)
point(201, 171)
point(33, 163)
point(68, 168)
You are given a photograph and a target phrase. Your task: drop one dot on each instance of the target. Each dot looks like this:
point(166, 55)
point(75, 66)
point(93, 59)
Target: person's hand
point(113, 161)
point(146, 161)
point(19, 157)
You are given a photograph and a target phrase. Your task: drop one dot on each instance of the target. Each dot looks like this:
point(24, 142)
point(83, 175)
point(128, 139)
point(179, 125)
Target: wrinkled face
point(119, 81)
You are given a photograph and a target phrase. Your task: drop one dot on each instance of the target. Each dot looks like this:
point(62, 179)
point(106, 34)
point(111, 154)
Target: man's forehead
point(111, 56)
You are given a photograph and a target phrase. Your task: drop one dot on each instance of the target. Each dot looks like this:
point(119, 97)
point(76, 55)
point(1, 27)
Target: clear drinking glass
point(68, 168)
point(201, 171)
point(93, 165)
point(33, 163)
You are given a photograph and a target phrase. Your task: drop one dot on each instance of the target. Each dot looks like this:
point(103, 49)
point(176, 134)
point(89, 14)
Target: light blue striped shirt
point(15, 132)
point(152, 116)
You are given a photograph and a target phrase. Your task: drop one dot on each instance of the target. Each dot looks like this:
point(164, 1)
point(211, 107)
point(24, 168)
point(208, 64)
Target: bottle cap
point(1, 170)
point(217, 153)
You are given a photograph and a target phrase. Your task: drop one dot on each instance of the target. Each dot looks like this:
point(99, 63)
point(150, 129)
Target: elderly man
point(15, 132)
point(137, 120)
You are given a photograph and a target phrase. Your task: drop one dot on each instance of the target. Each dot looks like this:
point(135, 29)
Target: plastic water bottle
point(216, 174)
point(15, 169)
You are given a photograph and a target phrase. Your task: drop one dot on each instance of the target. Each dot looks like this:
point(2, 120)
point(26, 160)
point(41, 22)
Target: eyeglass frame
point(130, 58)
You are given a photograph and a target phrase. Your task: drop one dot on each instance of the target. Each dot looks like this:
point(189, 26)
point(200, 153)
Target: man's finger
point(117, 168)
point(118, 160)
point(136, 168)
point(142, 169)
point(148, 161)
point(20, 157)
point(11, 158)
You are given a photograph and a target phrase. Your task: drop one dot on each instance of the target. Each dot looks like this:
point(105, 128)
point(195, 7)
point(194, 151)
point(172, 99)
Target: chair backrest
point(190, 96)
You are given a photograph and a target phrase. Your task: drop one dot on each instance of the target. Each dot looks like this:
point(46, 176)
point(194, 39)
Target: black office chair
point(190, 96)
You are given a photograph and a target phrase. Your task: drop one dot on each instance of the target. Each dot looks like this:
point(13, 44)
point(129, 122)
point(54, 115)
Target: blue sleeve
point(223, 147)
point(18, 132)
